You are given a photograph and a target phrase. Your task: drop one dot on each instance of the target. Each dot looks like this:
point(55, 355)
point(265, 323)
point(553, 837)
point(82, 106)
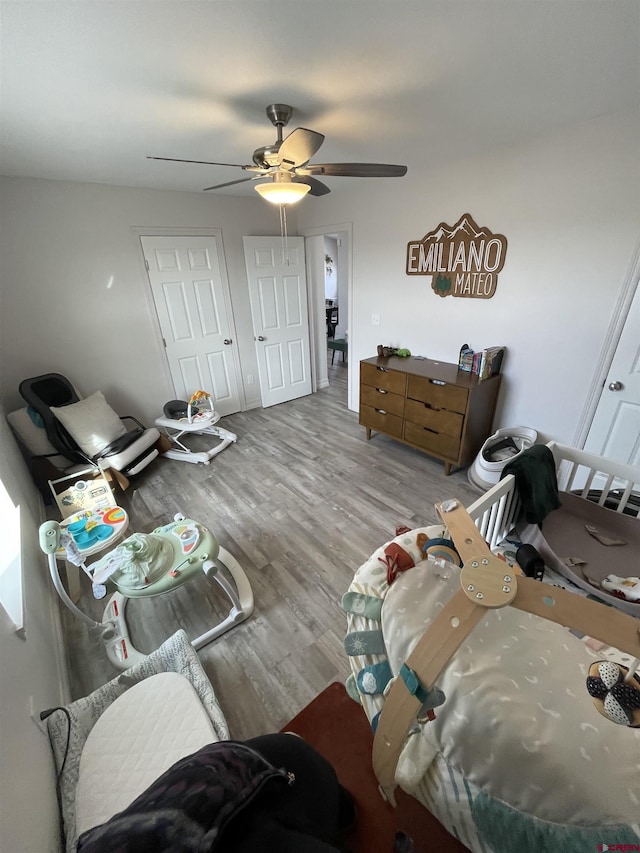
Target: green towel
point(536, 482)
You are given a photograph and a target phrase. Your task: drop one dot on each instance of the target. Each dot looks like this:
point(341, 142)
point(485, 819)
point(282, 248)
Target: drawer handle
point(437, 382)
point(383, 369)
point(381, 411)
point(381, 391)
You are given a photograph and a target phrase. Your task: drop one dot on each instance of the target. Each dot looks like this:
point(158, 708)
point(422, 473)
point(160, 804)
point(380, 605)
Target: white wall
point(75, 296)
point(31, 674)
point(569, 207)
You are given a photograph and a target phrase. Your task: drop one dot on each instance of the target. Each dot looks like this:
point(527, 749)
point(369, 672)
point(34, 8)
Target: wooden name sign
point(462, 260)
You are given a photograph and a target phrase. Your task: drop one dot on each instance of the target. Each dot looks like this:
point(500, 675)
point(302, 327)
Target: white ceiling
point(88, 89)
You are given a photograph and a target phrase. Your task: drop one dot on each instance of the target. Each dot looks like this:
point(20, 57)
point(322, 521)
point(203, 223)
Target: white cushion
point(142, 445)
point(144, 732)
point(92, 423)
point(34, 438)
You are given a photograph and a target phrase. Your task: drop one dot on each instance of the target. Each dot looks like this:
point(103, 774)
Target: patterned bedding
point(517, 757)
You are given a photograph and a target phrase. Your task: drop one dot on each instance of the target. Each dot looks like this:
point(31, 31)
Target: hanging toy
point(615, 690)
point(197, 399)
point(396, 560)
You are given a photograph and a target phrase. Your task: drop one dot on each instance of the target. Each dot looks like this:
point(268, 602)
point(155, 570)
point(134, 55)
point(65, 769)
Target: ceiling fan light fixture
point(286, 164)
point(282, 191)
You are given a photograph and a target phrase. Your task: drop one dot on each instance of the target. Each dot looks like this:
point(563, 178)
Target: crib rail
point(603, 481)
point(496, 512)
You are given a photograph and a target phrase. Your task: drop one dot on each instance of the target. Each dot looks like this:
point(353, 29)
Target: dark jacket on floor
point(228, 797)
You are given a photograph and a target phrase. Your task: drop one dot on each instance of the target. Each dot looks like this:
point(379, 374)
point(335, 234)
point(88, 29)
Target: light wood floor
point(300, 501)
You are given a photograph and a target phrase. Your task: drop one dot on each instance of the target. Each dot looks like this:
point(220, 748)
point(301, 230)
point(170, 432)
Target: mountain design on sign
point(465, 227)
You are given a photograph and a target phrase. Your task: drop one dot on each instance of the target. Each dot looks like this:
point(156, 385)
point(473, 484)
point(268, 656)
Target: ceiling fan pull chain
point(283, 233)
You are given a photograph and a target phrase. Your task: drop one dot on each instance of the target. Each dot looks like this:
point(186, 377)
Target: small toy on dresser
point(385, 352)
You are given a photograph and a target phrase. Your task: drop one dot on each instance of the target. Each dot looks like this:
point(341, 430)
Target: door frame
point(612, 339)
point(315, 285)
point(165, 231)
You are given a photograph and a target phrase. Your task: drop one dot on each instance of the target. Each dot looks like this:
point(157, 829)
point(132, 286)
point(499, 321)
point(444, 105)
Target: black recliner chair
point(88, 430)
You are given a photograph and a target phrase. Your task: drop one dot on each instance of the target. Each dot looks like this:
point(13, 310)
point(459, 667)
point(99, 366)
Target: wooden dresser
point(430, 405)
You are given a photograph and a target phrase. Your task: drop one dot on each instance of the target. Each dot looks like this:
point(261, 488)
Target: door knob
point(260, 338)
point(615, 386)
point(227, 341)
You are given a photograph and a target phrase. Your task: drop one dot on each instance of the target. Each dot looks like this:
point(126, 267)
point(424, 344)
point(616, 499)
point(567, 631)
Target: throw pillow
point(91, 422)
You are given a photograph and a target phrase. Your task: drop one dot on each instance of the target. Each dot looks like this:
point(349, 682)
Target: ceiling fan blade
point(299, 147)
point(202, 162)
point(356, 170)
point(229, 184)
point(317, 187)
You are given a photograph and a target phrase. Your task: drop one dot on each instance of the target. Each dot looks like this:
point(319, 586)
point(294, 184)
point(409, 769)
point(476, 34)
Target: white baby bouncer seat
point(181, 419)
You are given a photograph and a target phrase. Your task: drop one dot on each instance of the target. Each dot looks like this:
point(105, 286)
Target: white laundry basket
point(497, 451)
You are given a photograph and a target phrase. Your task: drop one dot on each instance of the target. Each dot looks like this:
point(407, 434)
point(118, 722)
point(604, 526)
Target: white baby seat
point(181, 419)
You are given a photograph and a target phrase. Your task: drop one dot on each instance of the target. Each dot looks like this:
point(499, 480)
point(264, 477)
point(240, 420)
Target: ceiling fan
point(285, 164)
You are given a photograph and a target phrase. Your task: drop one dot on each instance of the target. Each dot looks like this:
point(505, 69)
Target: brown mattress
point(564, 535)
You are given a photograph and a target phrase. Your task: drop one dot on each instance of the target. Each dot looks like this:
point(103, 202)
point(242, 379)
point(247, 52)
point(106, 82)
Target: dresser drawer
point(440, 396)
point(435, 442)
point(381, 377)
point(381, 420)
point(379, 398)
point(438, 420)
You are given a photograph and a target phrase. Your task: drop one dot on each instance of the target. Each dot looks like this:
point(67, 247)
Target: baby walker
point(147, 565)
point(182, 418)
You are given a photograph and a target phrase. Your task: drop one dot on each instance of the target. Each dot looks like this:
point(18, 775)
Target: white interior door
point(192, 301)
point(615, 431)
point(278, 295)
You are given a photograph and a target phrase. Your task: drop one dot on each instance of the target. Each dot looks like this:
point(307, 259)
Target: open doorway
point(335, 303)
point(328, 254)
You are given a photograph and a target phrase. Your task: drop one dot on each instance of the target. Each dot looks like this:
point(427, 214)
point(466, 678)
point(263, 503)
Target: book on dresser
point(490, 361)
point(430, 405)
